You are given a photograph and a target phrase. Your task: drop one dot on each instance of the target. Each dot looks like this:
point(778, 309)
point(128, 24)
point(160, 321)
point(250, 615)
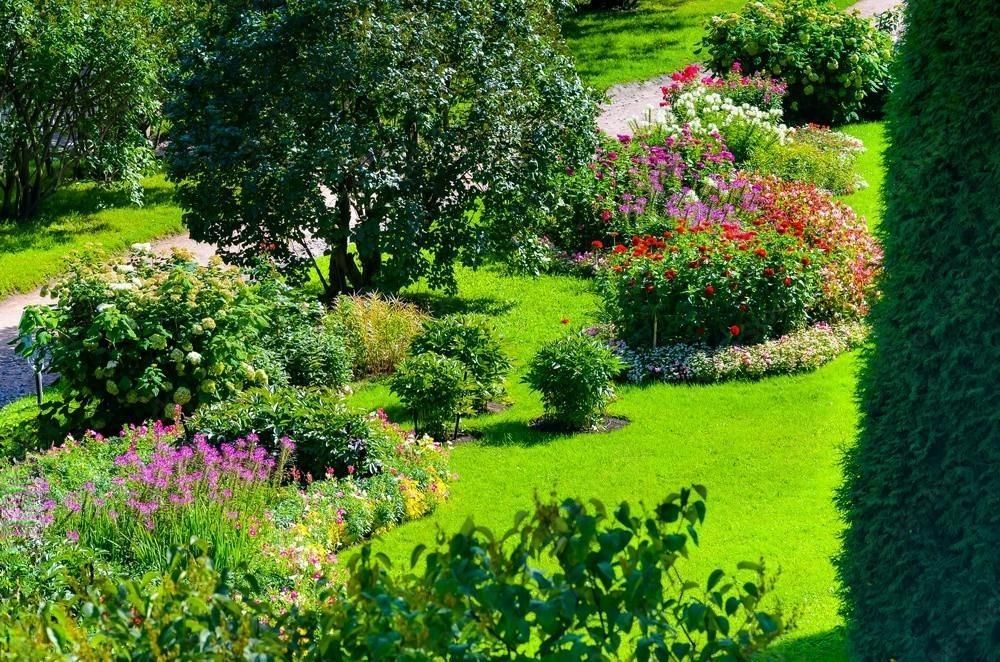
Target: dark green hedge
point(921, 559)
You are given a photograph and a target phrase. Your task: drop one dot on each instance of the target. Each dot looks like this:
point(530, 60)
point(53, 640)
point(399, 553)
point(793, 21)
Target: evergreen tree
point(920, 567)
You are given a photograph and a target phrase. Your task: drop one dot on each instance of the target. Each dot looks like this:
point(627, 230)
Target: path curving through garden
point(631, 101)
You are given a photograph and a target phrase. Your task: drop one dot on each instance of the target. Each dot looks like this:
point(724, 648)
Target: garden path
point(632, 100)
point(16, 376)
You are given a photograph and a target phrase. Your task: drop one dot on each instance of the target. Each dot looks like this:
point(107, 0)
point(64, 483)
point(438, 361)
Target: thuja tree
point(77, 85)
point(921, 560)
point(407, 135)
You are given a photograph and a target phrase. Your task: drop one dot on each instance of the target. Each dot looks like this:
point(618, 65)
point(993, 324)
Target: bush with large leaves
point(421, 132)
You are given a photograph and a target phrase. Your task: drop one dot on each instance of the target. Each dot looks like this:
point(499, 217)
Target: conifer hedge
point(920, 566)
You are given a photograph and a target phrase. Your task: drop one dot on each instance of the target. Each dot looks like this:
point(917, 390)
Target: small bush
point(434, 390)
point(330, 438)
point(834, 62)
point(316, 356)
point(377, 331)
point(472, 340)
point(134, 340)
point(527, 594)
point(573, 376)
point(815, 155)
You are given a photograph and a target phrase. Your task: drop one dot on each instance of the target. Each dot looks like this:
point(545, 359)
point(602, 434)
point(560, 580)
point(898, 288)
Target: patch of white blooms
point(705, 111)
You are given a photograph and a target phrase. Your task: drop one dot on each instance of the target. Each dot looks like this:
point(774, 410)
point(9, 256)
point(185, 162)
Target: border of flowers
point(799, 351)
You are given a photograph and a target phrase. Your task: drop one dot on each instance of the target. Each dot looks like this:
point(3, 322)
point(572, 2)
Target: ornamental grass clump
point(574, 376)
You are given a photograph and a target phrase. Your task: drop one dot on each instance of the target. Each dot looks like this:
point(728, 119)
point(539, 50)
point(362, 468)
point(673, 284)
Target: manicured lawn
point(868, 202)
point(767, 451)
point(658, 37)
point(82, 217)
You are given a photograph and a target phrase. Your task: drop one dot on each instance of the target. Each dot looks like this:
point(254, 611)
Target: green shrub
point(377, 330)
point(834, 62)
point(813, 154)
point(573, 376)
point(434, 391)
point(568, 581)
point(316, 356)
point(919, 566)
point(135, 340)
point(472, 340)
point(330, 438)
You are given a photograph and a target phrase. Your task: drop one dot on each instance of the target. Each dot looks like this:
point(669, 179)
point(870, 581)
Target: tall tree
point(920, 565)
point(406, 134)
point(77, 84)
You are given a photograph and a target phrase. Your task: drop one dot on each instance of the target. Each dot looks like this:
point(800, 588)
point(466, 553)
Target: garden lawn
point(82, 217)
point(868, 202)
point(658, 37)
point(768, 453)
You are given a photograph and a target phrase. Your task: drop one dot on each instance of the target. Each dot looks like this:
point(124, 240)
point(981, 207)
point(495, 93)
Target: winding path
point(626, 102)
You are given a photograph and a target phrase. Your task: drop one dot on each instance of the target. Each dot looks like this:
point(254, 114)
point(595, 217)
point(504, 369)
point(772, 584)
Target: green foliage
point(434, 389)
point(78, 82)
point(918, 568)
point(813, 154)
point(134, 340)
point(472, 340)
point(568, 580)
point(329, 436)
point(573, 375)
point(385, 127)
point(834, 62)
point(376, 330)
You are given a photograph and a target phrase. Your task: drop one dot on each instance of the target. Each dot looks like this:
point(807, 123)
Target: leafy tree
point(77, 83)
point(406, 134)
point(920, 565)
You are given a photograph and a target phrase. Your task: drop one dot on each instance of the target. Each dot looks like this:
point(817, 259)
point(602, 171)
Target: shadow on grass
point(829, 646)
point(438, 304)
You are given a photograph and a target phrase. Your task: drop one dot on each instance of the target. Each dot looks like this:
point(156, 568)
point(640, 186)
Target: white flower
point(143, 248)
point(121, 286)
point(104, 306)
point(194, 358)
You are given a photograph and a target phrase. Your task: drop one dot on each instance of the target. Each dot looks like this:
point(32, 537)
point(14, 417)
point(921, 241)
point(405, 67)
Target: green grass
point(82, 217)
point(868, 202)
point(767, 451)
point(658, 37)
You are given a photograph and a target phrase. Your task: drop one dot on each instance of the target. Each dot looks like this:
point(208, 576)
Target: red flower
point(709, 290)
point(769, 272)
point(605, 215)
point(650, 288)
point(734, 330)
point(620, 248)
point(564, 320)
point(694, 264)
point(788, 281)
point(670, 274)
point(597, 244)
point(760, 252)
point(806, 262)
point(617, 268)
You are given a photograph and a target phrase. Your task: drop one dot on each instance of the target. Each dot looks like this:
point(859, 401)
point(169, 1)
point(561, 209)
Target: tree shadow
point(829, 646)
point(438, 303)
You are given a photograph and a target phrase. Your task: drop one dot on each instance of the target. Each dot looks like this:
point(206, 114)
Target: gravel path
point(16, 376)
point(631, 101)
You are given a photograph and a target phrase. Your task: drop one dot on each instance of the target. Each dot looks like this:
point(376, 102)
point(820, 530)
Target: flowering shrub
point(573, 376)
point(133, 340)
point(798, 351)
point(755, 259)
point(833, 61)
point(757, 91)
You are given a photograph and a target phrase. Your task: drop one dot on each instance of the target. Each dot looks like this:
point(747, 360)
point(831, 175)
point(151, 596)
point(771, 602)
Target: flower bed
point(121, 504)
point(799, 351)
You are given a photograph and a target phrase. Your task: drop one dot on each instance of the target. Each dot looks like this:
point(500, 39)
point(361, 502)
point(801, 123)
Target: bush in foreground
point(569, 580)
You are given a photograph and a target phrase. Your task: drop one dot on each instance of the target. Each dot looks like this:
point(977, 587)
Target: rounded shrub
point(573, 376)
point(434, 391)
point(330, 438)
point(316, 356)
point(833, 62)
point(472, 340)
